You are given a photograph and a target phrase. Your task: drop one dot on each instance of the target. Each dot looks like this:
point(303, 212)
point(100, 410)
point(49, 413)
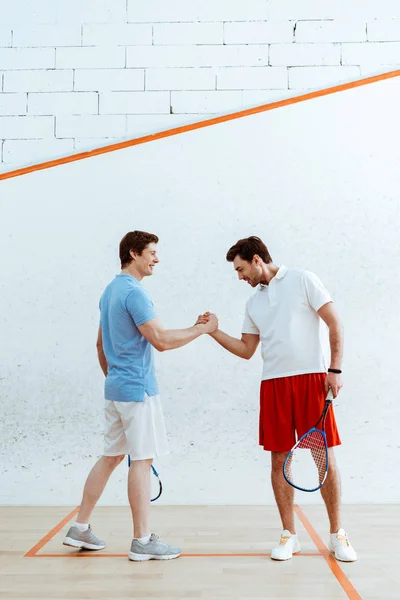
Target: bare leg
point(95, 484)
point(139, 496)
point(330, 493)
point(284, 493)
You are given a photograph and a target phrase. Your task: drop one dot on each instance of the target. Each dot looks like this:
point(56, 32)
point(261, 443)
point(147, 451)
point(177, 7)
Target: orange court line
point(200, 125)
point(341, 577)
point(33, 551)
point(99, 554)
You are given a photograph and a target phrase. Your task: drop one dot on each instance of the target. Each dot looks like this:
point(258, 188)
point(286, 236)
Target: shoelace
point(284, 540)
point(342, 539)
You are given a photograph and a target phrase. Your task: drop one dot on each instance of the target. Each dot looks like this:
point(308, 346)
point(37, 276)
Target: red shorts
point(290, 406)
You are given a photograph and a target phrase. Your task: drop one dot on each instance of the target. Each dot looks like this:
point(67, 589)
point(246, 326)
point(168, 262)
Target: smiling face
point(251, 272)
point(147, 260)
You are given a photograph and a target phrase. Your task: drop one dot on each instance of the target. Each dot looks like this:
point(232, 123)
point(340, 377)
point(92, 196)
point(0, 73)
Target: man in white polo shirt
point(287, 313)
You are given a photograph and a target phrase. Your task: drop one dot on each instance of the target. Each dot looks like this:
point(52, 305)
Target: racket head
point(306, 466)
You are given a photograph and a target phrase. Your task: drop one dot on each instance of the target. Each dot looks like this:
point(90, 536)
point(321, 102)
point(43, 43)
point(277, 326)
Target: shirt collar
point(280, 275)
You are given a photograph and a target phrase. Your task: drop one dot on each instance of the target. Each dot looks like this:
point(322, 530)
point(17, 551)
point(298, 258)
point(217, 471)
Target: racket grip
point(330, 394)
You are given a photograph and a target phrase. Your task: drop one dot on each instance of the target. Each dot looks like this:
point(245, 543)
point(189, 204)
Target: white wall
point(78, 74)
point(318, 181)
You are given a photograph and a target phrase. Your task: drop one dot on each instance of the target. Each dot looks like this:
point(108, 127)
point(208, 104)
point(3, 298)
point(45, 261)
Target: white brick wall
point(93, 126)
point(134, 103)
point(24, 128)
point(187, 33)
point(5, 36)
point(12, 104)
point(264, 32)
point(118, 80)
point(252, 78)
point(64, 103)
point(105, 70)
point(181, 79)
point(383, 30)
point(38, 81)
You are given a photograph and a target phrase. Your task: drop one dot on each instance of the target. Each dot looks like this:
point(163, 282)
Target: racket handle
point(330, 394)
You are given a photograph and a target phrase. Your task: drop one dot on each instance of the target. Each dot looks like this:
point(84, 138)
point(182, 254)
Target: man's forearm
point(102, 360)
point(231, 344)
point(336, 337)
point(176, 338)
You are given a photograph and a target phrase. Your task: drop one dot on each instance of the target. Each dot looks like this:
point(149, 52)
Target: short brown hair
point(247, 248)
point(135, 241)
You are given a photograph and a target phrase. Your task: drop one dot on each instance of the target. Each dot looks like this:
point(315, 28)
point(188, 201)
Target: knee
point(277, 460)
point(113, 461)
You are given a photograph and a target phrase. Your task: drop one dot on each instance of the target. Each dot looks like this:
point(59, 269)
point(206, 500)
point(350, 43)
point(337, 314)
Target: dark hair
point(135, 241)
point(247, 248)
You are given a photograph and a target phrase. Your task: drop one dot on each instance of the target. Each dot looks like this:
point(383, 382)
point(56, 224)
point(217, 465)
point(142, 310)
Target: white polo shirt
point(284, 315)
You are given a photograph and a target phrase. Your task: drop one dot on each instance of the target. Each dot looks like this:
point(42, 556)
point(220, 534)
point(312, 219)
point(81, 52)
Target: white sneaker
point(339, 544)
point(288, 545)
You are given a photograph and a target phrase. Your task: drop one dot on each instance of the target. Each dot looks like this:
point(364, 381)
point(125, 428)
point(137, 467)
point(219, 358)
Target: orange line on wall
point(341, 577)
point(33, 551)
point(199, 125)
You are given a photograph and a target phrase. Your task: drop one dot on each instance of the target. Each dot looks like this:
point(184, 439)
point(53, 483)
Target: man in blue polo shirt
point(129, 329)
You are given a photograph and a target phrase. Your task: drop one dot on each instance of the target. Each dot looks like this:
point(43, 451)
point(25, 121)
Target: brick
point(197, 56)
point(227, 10)
point(26, 11)
point(5, 36)
point(258, 32)
point(260, 97)
point(109, 80)
point(26, 36)
point(26, 127)
point(12, 104)
point(90, 58)
point(121, 103)
point(87, 144)
point(187, 33)
point(35, 151)
point(383, 30)
point(38, 81)
point(338, 9)
point(312, 77)
point(117, 35)
point(367, 70)
point(205, 102)
point(330, 31)
point(27, 58)
point(138, 126)
point(304, 54)
point(88, 11)
point(72, 103)
point(252, 78)
point(371, 53)
point(180, 79)
point(159, 11)
point(93, 126)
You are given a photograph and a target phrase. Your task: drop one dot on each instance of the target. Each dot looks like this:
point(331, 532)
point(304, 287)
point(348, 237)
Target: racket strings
point(309, 453)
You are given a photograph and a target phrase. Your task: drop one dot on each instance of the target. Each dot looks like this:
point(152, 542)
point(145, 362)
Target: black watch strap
point(337, 371)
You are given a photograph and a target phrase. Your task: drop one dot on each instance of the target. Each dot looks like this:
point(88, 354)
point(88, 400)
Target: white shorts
point(135, 428)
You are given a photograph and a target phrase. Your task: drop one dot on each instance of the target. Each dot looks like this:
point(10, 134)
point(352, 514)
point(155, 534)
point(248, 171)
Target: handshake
point(209, 321)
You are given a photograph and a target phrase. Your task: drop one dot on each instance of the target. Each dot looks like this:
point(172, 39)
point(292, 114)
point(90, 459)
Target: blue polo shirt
point(124, 306)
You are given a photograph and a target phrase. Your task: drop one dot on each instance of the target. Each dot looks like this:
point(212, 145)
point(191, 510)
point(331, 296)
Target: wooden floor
point(225, 555)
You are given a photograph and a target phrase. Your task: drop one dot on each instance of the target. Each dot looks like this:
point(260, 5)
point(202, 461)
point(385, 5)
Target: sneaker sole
point(142, 557)
point(76, 544)
point(332, 551)
point(288, 558)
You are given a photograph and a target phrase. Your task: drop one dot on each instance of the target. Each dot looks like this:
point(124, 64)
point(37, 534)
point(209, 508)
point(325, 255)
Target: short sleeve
point(140, 306)
point(248, 324)
point(317, 294)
